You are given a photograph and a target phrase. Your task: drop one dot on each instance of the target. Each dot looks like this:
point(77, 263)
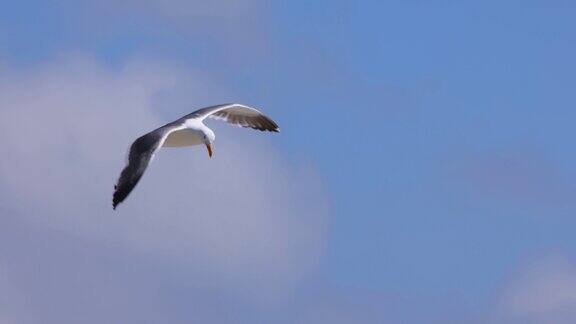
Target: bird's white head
point(209, 138)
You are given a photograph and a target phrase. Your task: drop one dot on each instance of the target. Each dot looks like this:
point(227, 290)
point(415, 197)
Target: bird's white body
point(184, 137)
point(193, 132)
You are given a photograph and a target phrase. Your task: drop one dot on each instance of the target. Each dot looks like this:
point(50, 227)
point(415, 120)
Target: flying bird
point(186, 131)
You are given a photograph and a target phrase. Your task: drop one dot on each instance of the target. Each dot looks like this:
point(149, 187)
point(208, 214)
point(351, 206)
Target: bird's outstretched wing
point(238, 115)
point(139, 156)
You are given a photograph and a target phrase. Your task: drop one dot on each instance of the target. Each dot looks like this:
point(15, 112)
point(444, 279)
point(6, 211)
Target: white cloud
point(542, 292)
point(244, 223)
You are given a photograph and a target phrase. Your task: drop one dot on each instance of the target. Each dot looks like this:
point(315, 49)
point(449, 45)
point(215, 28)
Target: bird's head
point(209, 138)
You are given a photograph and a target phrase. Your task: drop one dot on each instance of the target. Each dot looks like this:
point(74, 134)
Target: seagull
point(186, 131)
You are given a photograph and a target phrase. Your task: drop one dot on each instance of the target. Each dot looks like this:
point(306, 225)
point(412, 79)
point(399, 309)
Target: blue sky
point(432, 140)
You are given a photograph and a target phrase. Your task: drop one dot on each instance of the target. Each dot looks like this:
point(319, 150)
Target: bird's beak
point(209, 147)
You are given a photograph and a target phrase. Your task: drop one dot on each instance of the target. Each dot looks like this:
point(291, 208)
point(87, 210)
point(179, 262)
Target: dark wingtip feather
point(115, 200)
point(120, 194)
point(115, 197)
point(269, 124)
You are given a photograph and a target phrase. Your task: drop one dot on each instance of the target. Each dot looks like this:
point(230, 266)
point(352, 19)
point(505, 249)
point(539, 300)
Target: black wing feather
point(141, 152)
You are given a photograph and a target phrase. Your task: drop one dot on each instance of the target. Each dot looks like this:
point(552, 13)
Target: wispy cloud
point(240, 26)
point(543, 291)
point(517, 175)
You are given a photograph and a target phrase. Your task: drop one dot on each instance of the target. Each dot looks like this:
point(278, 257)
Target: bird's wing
point(139, 156)
point(238, 115)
